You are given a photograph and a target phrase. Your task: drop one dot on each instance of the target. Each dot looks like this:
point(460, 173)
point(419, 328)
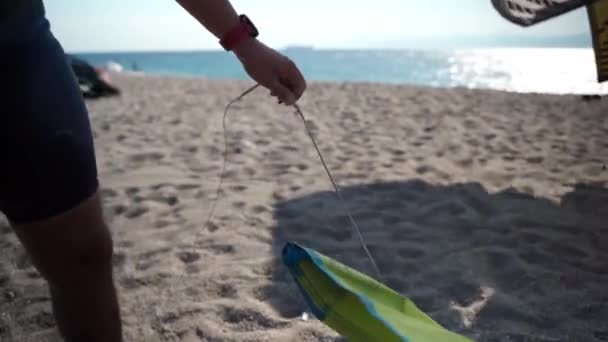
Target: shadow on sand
point(546, 263)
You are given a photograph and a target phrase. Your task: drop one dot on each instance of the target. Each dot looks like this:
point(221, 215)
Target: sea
point(529, 70)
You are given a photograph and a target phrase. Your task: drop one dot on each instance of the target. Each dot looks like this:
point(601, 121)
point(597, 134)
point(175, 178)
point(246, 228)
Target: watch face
point(254, 30)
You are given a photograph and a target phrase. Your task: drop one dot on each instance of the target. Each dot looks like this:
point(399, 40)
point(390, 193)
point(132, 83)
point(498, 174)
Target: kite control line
point(331, 178)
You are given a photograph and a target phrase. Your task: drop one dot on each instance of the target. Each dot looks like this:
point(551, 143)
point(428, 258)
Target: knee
point(72, 247)
point(94, 252)
point(89, 258)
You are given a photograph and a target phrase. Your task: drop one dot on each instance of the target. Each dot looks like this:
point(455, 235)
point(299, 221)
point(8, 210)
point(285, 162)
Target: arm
point(217, 16)
point(265, 65)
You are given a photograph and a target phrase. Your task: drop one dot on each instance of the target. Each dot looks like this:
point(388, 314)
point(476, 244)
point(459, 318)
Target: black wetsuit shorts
point(47, 158)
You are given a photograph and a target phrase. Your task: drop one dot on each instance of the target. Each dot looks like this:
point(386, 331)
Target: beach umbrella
point(530, 12)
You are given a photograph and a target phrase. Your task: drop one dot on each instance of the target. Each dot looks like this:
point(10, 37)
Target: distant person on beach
point(48, 179)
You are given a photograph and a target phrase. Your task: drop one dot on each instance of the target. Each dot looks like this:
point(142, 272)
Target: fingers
point(288, 83)
point(291, 78)
point(295, 80)
point(279, 90)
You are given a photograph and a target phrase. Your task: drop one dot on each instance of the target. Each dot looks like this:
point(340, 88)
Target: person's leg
point(49, 187)
point(73, 252)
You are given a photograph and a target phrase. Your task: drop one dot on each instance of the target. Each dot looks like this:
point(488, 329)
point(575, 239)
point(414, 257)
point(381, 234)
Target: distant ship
point(299, 48)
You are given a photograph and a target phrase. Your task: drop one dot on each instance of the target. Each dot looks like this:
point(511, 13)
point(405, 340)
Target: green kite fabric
point(357, 306)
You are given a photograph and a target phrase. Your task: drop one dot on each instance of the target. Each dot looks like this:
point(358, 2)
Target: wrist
point(240, 34)
point(243, 48)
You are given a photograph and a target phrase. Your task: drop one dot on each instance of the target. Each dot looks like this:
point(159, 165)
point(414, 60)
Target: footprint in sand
point(159, 185)
point(23, 261)
point(188, 257)
point(373, 153)
point(125, 244)
point(226, 291)
point(289, 148)
point(258, 209)
point(398, 153)
point(423, 169)
point(535, 257)
point(239, 204)
point(175, 121)
point(247, 320)
point(162, 223)
point(338, 234)
point(151, 254)
point(218, 248)
point(146, 156)
point(132, 191)
point(501, 309)
point(239, 188)
point(142, 266)
point(44, 320)
point(108, 193)
point(189, 148)
point(535, 160)
point(168, 199)
point(311, 335)
point(119, 260)
point(473, 142)
point(467, 162)
point(427, 301)
point(133, 283)
point(187, 186)
point(262, 142)
point(390, 220)
point(470, 124)
point(398, 283)
point(601, 335)
point(410, 253)
point(136, 210)
point(285, 295)
point(563, 250)
point(500, 259)
point(172, 317)
point(212, 227)
point(531, 238)
point(417, 143)
point(489, 136)
point(33, 275)
point(213, 289)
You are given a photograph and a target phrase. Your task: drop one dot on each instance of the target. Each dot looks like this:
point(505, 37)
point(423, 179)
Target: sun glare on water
point(527, 70)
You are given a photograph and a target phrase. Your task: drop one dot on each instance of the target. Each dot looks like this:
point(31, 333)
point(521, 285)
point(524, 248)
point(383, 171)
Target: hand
point(272, 70)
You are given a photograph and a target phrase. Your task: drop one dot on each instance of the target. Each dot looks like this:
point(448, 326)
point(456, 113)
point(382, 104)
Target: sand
point(489, 209)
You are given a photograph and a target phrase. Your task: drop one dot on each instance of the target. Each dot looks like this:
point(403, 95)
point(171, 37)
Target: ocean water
point(546, 70)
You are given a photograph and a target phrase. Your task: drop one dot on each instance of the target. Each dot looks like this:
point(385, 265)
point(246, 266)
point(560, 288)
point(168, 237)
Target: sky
point(163, 25)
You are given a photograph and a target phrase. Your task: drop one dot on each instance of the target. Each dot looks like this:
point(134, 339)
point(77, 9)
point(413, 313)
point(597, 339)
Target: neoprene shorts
point(47, 157)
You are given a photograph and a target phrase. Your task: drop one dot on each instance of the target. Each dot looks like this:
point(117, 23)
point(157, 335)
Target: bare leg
point(73, 252)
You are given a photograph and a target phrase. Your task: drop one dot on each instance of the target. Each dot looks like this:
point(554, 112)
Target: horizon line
point(312, 48)
point(575, 40)
point(328, 49)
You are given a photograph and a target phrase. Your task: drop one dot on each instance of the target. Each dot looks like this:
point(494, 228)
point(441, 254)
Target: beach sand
point(489, 209)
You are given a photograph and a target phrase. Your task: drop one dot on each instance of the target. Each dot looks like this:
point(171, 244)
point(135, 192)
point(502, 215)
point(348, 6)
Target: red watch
point(244, 29)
